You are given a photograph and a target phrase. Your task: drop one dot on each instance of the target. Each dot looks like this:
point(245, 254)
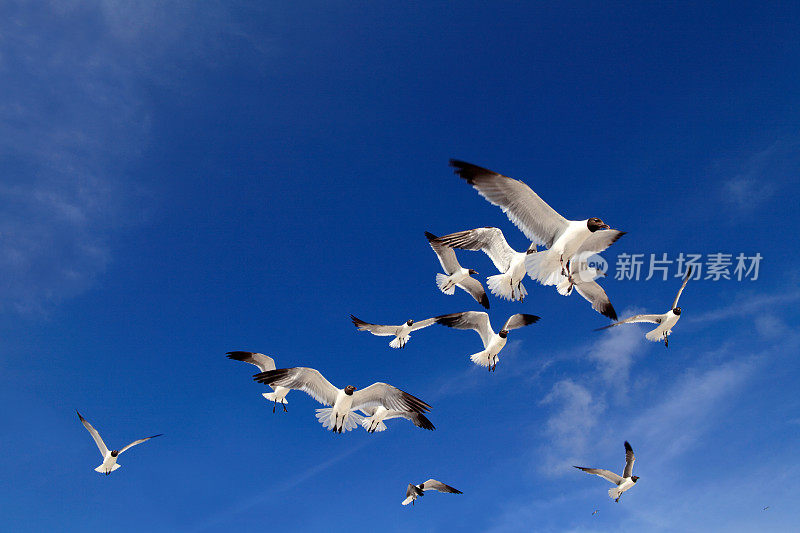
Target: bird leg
point(285, 410)
point(274, 405)
point(666, 340)
point(563, 270)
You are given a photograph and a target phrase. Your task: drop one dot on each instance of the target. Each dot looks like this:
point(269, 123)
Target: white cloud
point(757, 179)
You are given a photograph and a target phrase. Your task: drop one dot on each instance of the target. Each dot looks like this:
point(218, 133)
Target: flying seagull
point(414, 491)
point(510, 263)
point(539, 222)
point(401, 333)
point(595, 512)
point(341, 417)
point(376, 416)
point(665, 322)
point(623, 482)
point(582, 278)
point(492, 342)
point(264, 363)
point(456, 275)
point(109, 457)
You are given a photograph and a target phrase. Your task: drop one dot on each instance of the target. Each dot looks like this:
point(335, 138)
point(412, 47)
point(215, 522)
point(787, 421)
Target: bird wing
point(301, 378)
point(520, 320)
point(490, 240)
point(388, 396)
point(375, 329)
point(369, 410)
point(418, 419)
point(629, 459)
point(606, 474)
point(594, 294)
point(599, 241)
point(685, 281)
point(95, 435)
point(134, 443)
point(655, 319)
point(412, 490)
point(423, 323)
point(264, 362)
point(537, 220)
point(446, 255)
point(477, 320)
point(432, 484)
point(476, 290)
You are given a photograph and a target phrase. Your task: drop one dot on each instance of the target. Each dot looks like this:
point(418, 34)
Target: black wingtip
point(154, 436)
point(468, 171)
point(357, 322)
point(239, 355)
point(79, 415)
point(485, 301)
point(628, 447)
point(608, 311)
point(531, 319)
point(270, 375)
point(430, 236)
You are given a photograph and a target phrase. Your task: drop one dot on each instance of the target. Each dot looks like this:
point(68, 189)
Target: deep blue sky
point(181, 179)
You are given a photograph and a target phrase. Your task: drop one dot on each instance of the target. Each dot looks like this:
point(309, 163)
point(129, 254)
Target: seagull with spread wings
point(401, 333)
point(264, 363)
point(376, 416)
point(341, 416)
point(539, 222)
point(511, 263)
point(624, 482)
point(415, 491)
point(665, 322)
point(456, 275)
point(492, 342)
point(582, 278)
point(109, 456)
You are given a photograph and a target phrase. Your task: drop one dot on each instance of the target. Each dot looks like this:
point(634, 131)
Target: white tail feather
point(103, 470)
point(656, 335)
point(367, 423)
point(500, 286)
point(399, 342)
point(442, 282)
point(271, 396)
point(482, 358)
point(327, 419)
point(544, 267)
point(614, 493)
point(565, 287)
point(408, 500)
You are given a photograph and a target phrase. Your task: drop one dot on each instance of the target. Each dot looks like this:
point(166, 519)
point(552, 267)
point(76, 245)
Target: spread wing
point(600, 240)
point(594, 294)
point(477, 320)
point(520, 320)
point(629, 459)
point(388, 396)
point(605, 474)
point(134, 443)
point(476, 290)
point(307, 380)
point(432, 484)
point(490, 240)
point(418, 419)
point(685, 281)
point(423, 324)
point(446, 255)
point(95, 435)
point(537, 220)
point(655, 319)
point(375, 329)
point(263, 362)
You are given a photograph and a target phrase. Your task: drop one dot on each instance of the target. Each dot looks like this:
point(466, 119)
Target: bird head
point(472, 272)
point(409, 322)
point(595, 224)
point(503, 333)
point(532, 249)
point(114, 453)
point(634, 478)
point(677, 310)
point(349, 390)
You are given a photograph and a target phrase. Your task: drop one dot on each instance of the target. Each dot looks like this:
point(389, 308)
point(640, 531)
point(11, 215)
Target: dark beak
point(605, 226)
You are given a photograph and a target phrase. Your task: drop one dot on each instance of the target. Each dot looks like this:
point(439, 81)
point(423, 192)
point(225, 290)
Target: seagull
point(376, 416)
point(765, 508)
point(665, 322)
point(539, 222)
point(510, 263)
point(457, 276)
point(264, 363)
point(595, 512)
point(341, 417)
point(581, 277)
point(109, 457)
point(492, 342)
point(624, 482)
point(401, 333)
point(414, 491)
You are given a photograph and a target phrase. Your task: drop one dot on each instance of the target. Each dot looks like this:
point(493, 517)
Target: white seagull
point(582, 278)
point(376, 416)
point(665, 322)
point(109, 456)
point(456, 275)
point(341, 417)
point(511, 264)
point(401, 333)
point(492, 342)
point(264, 363)
point(623, 482)
point(539, 222)
point(415, 491)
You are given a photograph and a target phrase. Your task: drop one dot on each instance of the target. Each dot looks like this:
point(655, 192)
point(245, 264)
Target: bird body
point(415, 491)
point(455, 275)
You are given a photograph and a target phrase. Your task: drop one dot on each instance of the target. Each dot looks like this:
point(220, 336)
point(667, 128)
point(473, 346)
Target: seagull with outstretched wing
point(624, 482)
point(341, 416)
point(400, 333)
point(492, 342)
point(109, 456)
point(455, 275)
point(264, 363)
point(415, 491)
point(665, 322)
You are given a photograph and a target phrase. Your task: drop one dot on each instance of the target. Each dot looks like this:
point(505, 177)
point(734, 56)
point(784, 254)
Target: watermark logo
point(588, 267)
point(713, 266)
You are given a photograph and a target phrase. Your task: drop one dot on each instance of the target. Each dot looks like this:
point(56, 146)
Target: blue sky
point(181, 180)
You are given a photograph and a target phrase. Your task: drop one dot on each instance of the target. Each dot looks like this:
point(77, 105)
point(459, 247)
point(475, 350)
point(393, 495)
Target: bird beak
point(605, 226)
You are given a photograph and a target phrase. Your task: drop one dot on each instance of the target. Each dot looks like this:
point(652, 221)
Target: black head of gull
point(503, 334)
point(409, 322)
point(349, 390)
point(595, 224)
point(114, 453)
point(677, 310)
point(634, 478)
point(472, 272)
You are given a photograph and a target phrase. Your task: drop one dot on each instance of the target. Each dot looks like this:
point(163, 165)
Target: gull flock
point(562, 263)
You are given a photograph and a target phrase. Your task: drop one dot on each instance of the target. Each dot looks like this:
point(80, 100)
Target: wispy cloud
point(758, 177)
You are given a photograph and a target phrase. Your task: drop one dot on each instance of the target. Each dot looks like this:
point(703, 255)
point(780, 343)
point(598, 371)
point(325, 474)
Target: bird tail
point(544, 267)
point(327, 419)
point(408, 500)
point(614, 492)
point(482, 358)
point(564, 288)
point(367, 422)
point(657, 335)
point(399, 342)
point(271, 396)
point(500, 286)
point(103, 470)
point(442, 281)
